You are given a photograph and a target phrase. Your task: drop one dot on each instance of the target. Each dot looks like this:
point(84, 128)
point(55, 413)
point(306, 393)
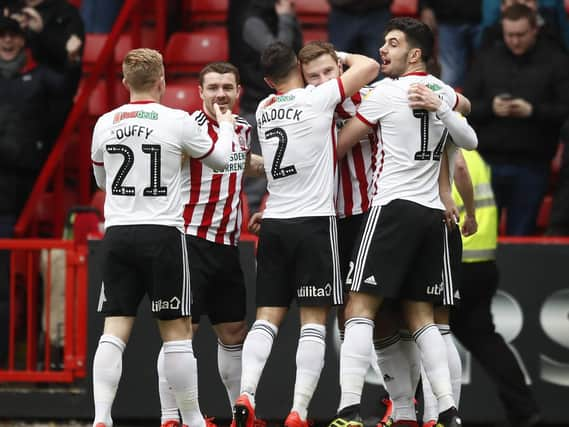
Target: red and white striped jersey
point(356, 169)
point(213, 211)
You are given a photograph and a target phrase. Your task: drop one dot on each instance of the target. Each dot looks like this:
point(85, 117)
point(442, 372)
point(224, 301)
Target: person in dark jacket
point(549, 28)
point(266, 21)
point(357, 25)
point(56, 36)
point(27, 90)
point(520, 97)
point(458, 27)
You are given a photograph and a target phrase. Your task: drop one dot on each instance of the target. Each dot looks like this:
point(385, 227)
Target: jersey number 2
point(155, 188)
point(276, 170)
point(425, 154)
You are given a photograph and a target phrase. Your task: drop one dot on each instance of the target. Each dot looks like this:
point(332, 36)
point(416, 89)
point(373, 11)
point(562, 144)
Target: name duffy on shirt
point(132, 130)
point(279, 114)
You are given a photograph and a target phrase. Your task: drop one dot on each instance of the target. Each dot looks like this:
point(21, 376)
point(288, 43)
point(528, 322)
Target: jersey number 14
point(425, 154)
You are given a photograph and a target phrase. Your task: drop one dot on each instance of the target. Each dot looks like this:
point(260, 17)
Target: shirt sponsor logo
point(285, 98)
point(172, 304)
point(236, 163)
point(311, 291)
point(148, 115)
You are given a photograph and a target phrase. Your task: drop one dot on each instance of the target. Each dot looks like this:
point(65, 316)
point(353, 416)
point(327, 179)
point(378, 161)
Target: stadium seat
point(99, 103)
point(183, 95)
point(94, 43)
point(187, 53)
point(205, 12)
point(405, 7)
point(313, 12)
point(313, 34)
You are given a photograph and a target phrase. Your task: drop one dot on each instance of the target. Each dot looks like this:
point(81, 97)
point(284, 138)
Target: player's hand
point(284, 7)
point(33, 19)
point(428, 17)
point(254, 225)
point(470, 226)
point(451, 213)
point(223, 117)
point(423, 98)
point(520, 108)
point(73, 47)
point(501, 107)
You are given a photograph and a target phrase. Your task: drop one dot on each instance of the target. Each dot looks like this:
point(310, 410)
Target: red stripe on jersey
point(357, 98)
point(97, 163)
point(364, 120)
point(227, 209)
point(195, 184)
point(456, 102)
point(346, 187)
point(342, 112)
point(341, 87)
point(210, 205)
point(334, 145)
point(213, 191)
point(359, 166)
point(237, 225)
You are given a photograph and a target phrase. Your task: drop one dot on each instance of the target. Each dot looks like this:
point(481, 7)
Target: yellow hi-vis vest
point(481, 246)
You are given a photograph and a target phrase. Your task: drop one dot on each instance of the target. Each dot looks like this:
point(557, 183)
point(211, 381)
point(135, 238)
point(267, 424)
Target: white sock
point(393, 364)
point(354, 360)
point(181, 371)
point(309, 364)
point(256, 350)
point(411, 351)
point(229, 366)
point(454, 363)
point(430, 404)
point(107, 370)
point(168, 406)
point(434, 359)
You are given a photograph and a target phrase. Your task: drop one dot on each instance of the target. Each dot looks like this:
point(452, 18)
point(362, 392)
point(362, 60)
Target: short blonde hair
point(315, 49)
point(142, 68)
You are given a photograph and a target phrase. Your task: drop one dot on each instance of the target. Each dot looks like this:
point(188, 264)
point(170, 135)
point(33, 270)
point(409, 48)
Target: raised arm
point(362, 71)
point(421, 97)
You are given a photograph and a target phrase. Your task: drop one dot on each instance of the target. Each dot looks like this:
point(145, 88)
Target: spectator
point(549, 25)
point(266, 21)
point(55, 35)
point(99, 15)
point(458, 26)
point(559, 220)
point(520, 97)
point(357, 26)
point(27, 91)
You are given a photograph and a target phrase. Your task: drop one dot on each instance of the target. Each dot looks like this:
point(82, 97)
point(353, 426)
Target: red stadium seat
point(183, 95)
point(314, 34)
point(99, 102)
point(187, 53)
point(94, 45)
point(313, 12)
point(567, 6)
point(98, 202)
point(405, 7)
point(200, 12)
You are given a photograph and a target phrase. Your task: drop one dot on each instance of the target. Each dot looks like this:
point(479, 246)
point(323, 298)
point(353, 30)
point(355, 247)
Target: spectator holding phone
point(520, 97)
point(55, 35)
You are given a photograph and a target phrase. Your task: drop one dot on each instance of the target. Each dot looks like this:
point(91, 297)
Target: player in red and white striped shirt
point(213, 216)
